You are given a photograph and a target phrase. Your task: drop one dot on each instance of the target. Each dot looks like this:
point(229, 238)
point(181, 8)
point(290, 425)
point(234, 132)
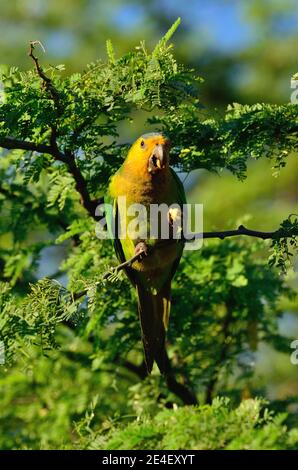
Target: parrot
point(146, 178)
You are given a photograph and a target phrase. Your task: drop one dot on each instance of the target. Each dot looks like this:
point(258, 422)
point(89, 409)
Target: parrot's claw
point(142, 249)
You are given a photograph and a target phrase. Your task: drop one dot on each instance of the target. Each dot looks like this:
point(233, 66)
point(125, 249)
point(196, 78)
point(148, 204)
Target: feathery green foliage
point(215, 427)
point(59, 140)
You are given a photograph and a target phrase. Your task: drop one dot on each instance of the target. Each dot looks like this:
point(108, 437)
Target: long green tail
point(154, 313)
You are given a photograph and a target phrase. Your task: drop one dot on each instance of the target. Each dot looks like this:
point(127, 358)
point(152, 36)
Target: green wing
point(112, 220)
point(111, 214)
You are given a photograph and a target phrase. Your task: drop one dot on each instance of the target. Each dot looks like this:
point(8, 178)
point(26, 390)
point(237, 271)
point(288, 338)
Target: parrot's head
point(150, 154)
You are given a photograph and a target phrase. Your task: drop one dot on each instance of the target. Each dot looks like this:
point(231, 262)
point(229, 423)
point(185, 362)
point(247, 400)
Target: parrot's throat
point(142, 185)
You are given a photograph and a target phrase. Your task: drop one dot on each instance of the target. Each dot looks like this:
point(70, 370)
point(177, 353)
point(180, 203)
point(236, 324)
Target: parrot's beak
point(158, 158)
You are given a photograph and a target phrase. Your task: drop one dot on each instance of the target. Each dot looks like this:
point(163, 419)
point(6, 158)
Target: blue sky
point(220, 21)
point(218, 25)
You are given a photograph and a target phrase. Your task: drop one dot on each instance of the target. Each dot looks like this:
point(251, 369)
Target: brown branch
point(81, 185)
point(47, 82)
point(223, 234)
point(277, 234)
point(113, 271)
point(68, 157)
point(242, 231)
point(180, 390)
point(11, 143)
point(140, 371)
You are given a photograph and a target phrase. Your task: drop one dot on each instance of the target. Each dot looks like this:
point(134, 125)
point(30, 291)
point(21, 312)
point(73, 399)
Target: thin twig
point(46, 80)
point(113, 271)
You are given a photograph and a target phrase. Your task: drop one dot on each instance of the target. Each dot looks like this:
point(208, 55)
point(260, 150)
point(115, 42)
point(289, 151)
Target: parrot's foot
point(175, 222)
point(142, 249)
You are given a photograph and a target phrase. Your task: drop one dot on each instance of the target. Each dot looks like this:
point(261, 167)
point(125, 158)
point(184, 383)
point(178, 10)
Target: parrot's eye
point(142, 144)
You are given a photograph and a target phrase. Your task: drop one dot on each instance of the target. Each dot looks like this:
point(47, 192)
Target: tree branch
point(275, 235)
point(68, 159)
point(243, 231)
point(178, 389)
point(140, 371)
point(11, 143)
point(47, 82)
point(81, 186)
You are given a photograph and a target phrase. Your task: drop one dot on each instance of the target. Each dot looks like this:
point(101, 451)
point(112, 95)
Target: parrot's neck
point(141, 186)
